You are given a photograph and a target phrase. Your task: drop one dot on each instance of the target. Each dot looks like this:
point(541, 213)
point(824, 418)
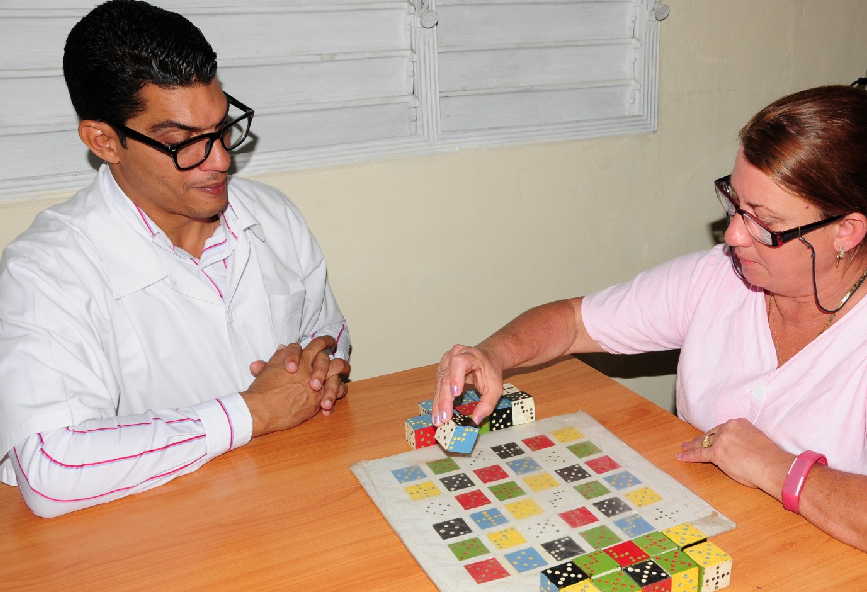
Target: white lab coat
point(96, 321)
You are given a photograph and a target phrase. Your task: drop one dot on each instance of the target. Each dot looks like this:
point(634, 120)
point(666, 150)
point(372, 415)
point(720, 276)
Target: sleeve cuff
point(340, 333)
point(227, 423)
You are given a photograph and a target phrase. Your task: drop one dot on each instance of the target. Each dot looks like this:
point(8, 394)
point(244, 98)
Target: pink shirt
point(817, 400)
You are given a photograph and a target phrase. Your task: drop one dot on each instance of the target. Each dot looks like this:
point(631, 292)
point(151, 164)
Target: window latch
point(428, 17)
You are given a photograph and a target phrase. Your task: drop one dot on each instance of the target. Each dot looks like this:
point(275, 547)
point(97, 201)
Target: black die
point(501, 419)
point(452, 528)
point(564, 575)
point(563, 548)
point(456, 482)
point(646, 573)
point(612, 506)
point(572, 473)
point(507, 450)
point(462, 420)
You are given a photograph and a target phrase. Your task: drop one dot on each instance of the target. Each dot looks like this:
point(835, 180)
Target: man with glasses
point(137, 317)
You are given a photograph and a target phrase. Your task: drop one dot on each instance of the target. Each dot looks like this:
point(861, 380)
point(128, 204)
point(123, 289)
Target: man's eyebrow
point(171, 124)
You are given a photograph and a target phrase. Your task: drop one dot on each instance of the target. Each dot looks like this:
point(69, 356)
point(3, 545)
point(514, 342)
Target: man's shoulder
point(57, 234)
point(259, 197)
point(267, 206)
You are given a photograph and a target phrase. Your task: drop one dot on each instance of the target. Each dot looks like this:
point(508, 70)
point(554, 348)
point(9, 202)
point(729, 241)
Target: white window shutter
point(533, 70)
point(337, 81)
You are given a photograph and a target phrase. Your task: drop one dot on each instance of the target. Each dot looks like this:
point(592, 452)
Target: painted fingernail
point(327, 404)
point(316, 384)
point(454, 390)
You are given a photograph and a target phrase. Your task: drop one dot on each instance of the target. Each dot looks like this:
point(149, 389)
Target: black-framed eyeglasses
point(194, 151)
point(756, 228)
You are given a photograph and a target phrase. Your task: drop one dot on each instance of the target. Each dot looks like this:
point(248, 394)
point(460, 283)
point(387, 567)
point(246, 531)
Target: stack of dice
point(460, 433)
point(677, 558)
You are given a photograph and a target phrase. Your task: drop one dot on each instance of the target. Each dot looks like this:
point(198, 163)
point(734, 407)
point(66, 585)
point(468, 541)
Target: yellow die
point(585, 586)
point(708, 554)
point(567, 435)
point(506, 538)
point(643, 496)
point(422, 490)
point(540, 482)
point(685, 581)
point(684, 534)
point(715, 563)
point(523, 509)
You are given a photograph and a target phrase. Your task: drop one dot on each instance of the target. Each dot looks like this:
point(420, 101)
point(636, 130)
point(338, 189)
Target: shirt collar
point(126, 247)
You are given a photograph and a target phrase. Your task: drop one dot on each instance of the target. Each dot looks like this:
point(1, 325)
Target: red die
point(626, 553)
point(578, 517)
point(467, 408)
point(425, 437)
point(538, 442)
point(487, 570)
point(492, 473)
point(472, 499)
point(602, 464)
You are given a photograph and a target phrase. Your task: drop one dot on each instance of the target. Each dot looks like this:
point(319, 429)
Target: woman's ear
point(851, 231)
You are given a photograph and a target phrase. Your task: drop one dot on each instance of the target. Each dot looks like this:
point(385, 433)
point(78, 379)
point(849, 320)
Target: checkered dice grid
point(604, 544)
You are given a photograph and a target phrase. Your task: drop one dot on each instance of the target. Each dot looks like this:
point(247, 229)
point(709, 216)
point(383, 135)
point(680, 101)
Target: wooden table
point(285, 512)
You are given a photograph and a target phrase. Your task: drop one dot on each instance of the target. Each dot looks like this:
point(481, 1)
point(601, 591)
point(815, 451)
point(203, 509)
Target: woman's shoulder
point(702, 271)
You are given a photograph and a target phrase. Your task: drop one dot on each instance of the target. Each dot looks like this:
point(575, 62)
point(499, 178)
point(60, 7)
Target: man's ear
point(101, 139)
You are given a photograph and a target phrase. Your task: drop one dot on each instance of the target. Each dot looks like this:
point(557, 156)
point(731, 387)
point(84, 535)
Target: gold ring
point(707, 441)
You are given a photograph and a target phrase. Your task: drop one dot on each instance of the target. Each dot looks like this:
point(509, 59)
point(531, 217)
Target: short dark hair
point(813, 143)
point(122, 45)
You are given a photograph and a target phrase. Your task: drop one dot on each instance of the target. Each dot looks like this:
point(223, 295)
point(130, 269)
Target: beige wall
point(428, 251)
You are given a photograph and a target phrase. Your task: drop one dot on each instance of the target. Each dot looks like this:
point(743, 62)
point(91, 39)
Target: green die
point(675, 562)
point(506, 490)
point(655, 543)
point(596, 563)
point(591, 489)
point(582, 449)
point(443, 465)
point(485, 426)
point(616, 581)
point(600, 537)
point(468, 548)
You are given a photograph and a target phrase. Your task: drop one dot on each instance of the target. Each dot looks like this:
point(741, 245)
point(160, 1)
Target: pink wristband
point(796, 476)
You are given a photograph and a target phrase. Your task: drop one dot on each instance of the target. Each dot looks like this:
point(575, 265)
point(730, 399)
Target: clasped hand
point(294, 384)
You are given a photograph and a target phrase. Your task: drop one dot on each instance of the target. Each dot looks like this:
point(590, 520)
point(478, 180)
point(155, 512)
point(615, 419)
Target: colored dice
point(420, 431)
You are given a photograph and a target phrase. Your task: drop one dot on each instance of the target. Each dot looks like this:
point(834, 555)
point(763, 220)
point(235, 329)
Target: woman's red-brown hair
point(813, 144)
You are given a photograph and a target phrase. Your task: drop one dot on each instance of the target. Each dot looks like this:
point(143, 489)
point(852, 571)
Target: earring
point(840, 255)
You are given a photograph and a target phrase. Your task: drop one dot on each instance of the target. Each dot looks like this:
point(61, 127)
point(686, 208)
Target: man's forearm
point(102, 460)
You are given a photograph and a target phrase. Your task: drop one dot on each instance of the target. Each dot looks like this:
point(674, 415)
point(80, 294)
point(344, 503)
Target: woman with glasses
point(772, 325)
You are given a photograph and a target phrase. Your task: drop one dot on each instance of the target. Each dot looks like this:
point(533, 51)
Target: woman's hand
point(460, 365)
point(743, 452)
